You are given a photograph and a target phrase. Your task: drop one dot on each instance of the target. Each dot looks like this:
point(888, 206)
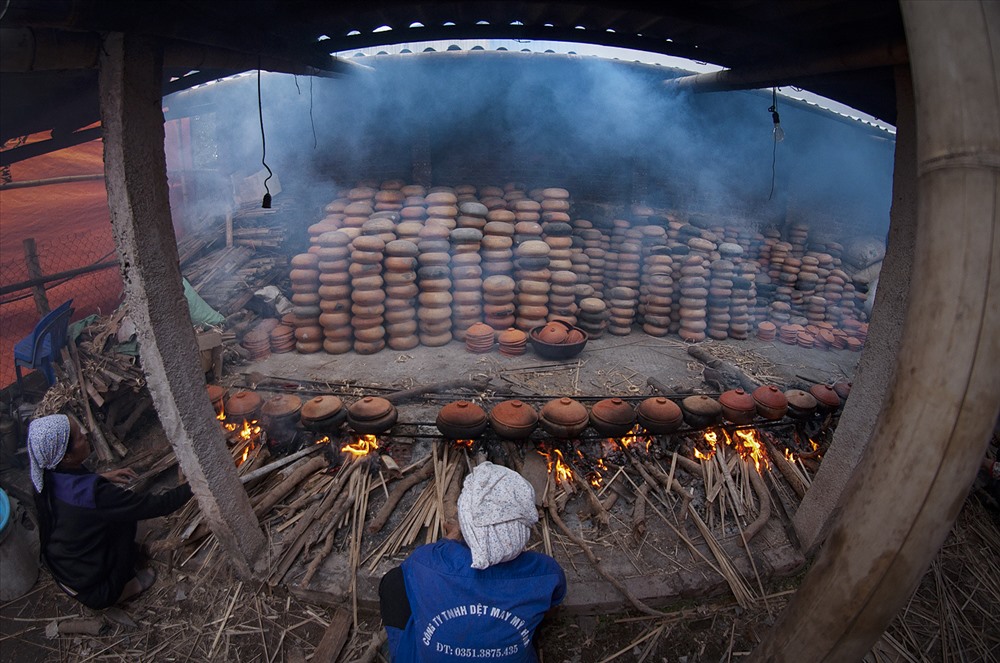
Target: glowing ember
point(637, 437)
point(362, 446)
point(464, 444)
point(323, 440)
point(558, 467)
point(596, 476)
point(246, 454)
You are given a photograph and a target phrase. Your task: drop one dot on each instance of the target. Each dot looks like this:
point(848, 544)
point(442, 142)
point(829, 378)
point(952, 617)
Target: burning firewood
point(787, 471)
point(639, 513)
point(760, 489)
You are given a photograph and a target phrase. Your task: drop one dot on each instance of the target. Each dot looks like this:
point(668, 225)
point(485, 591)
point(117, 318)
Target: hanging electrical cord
point(266, 204)
point(778, 135)
point(312, 122)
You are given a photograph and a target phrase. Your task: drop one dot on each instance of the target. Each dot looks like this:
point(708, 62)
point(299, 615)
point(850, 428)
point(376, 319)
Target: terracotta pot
point(737, 406)
point(323, 414)
point(826, 397)
point(563, 418)
point(701, 411)
point(770, 401)
point(243, 405)
point(461, 420)
point(513, 420)
point(217, 395)
point(659, 415)
point(801, 404)
point(843, 389)
point(612, 417)
point(371, 415)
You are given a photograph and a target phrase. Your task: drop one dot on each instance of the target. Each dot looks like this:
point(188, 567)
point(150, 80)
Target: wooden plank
point(334, 639)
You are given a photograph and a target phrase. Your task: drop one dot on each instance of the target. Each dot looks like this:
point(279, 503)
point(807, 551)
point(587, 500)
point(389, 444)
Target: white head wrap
point(495, 511)
point(48, 439)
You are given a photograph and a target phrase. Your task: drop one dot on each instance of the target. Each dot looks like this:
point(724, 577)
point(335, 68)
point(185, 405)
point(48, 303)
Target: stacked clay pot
point(720, 293)
point(306, 298)
point(630, 260)
point(498, 302)
point(434, 281)
point(412, 214)
point(512, 342)
point(335, 291)
point(465, 193)
point(442, 207)
point(562, 297)
point(400, 277)
point(492, 197)
point(678, 254)
point(744, 292)
point(472, 214)
point(555, 204)
point(479, 338)
point(694, 288)
point(512, 192)
point(532, 277)
point(594, 316)
point(360, 207)
point(594, 247)
point(367, 293)
point(656, 293)
point(527, 216)
point(389, 197)
point(624, 305)
point(282, 339)
point(617, 237)
point(496, 247)
point(467, 280)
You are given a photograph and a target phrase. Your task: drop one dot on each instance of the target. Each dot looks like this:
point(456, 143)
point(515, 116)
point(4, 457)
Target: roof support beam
point(772, 75)
point(131, 113)
point(36, 49)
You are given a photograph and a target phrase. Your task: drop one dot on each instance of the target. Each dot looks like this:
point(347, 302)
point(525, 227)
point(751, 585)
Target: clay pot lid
point(514, 414)
point(243, 403)
point(843, 389)
point(564, 411)
point(369, 408)
point(321, 407)
point(282, 405)
point(660, 409)
point(800, 400)
point(480, 330)
point(215, 392)
point(770, 396)
point(703, 406)
point(825, 395)
point(462, 414)
point(551, 333)
point(613, 411)
point(737, 399)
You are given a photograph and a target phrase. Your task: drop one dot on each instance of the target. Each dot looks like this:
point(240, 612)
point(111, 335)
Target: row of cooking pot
point(560, 417)
point(614, 417)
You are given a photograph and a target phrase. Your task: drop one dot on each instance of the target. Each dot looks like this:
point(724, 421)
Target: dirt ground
point(198, 611)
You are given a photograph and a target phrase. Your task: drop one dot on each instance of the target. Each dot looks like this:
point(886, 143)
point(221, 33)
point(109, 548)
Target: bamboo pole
point(941, 402)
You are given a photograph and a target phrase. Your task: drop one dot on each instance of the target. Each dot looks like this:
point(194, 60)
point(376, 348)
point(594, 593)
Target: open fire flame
point(746, 443)
point(244, 435)
point(557, 465)
point(638, 438)
point(464, 444)
point(361, 446)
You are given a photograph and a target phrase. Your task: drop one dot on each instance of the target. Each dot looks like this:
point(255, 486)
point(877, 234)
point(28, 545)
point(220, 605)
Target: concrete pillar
point(131, 112)
point(857, 423)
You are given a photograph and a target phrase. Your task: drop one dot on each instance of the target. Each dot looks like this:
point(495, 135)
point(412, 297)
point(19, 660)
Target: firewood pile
point(102, 385)
point(226, 274)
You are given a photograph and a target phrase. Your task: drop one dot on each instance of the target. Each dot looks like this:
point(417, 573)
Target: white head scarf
point(48, 439)
point(495, 511)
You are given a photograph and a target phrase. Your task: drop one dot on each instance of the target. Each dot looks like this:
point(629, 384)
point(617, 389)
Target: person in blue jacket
point(477, 593)
point(88, 522)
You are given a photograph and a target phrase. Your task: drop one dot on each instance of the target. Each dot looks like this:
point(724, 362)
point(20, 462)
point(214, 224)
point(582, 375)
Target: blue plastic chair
point(38, 350)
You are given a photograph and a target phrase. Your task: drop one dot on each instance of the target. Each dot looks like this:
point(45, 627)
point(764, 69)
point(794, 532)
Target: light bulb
point(779, 133)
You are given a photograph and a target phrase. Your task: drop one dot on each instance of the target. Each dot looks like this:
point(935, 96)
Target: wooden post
point(130, 79)
point(941, 404)
point(35, 272)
